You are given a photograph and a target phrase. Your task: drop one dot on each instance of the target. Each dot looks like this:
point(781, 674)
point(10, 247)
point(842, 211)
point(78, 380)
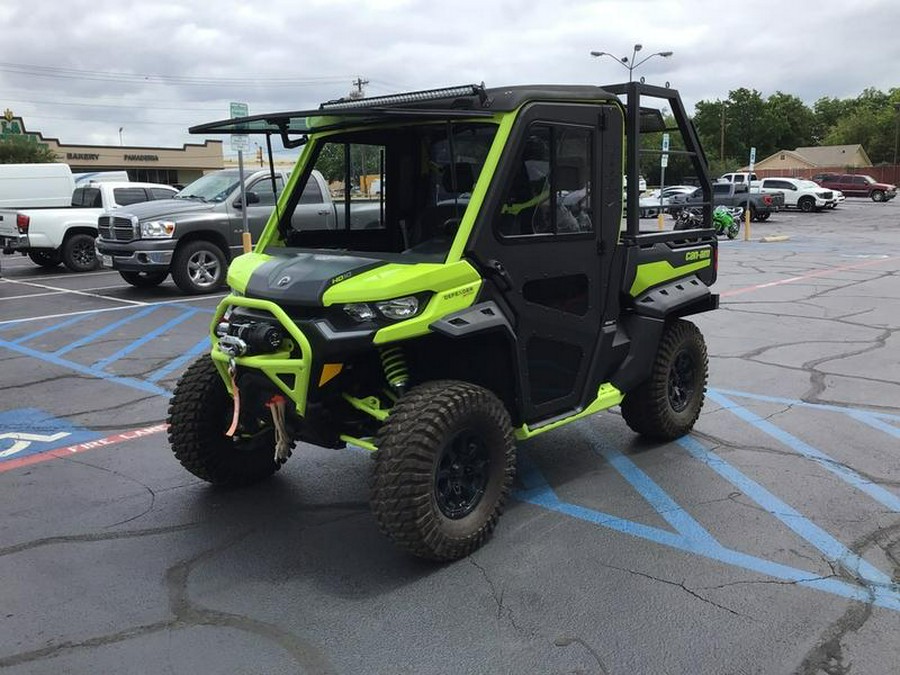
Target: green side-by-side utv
point(504, 289)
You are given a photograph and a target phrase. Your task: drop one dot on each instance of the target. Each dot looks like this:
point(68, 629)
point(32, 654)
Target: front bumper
point(137, 256)
point(288, 369)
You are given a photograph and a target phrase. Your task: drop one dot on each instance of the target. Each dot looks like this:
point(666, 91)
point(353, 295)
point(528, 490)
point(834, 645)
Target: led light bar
point(410, 97)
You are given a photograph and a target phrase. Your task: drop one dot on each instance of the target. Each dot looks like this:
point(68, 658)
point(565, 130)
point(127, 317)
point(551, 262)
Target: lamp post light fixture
point(121, 129)
point(629, 63)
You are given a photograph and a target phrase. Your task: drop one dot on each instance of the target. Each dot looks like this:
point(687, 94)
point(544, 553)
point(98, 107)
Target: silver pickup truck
point(194, 235)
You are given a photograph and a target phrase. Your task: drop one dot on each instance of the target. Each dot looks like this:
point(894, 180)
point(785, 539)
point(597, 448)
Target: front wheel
point(143, 279)
point(807, 204)
point(666, 406)
point(78, 253)
point(877, 195)
point(198, 267)
point(200, 412)
point(443, 470)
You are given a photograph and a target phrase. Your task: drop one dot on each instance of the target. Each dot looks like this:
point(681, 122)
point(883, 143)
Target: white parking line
point(31, 295)
point(67, 290)
point(113, 309)
point(70, 275)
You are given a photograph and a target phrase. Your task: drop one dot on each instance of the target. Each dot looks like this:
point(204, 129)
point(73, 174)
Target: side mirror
point(251, 198)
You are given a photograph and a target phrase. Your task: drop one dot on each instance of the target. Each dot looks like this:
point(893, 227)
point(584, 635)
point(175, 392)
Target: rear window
point(87, 197)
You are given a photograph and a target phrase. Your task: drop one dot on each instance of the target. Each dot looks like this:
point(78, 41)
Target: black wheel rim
point(83, 253)
point(682, 381)
point(462, 475)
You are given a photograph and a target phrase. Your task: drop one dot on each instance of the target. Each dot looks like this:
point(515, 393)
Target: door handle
point(323, 212)
point(503, 278)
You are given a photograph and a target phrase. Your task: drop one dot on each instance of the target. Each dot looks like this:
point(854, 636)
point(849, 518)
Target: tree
point(791, 123)
point(869, 120)
point(17, 149)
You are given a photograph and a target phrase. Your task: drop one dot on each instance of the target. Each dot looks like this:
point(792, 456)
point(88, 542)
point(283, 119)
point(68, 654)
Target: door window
point(263, 190)
point(549, 192)
point(126, 196)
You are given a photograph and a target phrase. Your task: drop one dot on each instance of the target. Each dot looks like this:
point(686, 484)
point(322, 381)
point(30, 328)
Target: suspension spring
point(393, 361)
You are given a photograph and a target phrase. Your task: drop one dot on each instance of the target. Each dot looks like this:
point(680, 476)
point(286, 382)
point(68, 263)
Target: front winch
point(239, 339)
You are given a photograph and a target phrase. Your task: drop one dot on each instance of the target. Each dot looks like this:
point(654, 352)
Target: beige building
point(172, 166)
point(826, 156)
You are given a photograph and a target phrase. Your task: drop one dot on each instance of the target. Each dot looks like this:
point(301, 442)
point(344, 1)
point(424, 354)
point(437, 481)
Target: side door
point(314, 210)
point(258, 212)
point(546, 236)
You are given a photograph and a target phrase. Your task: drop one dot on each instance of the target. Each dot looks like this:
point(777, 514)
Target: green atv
point(497, 295)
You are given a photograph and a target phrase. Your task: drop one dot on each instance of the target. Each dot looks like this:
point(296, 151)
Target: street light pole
point(629, 63)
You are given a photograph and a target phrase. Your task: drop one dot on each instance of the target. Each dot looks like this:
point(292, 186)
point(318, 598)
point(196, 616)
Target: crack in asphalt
point(680, 585)
point(185, 613)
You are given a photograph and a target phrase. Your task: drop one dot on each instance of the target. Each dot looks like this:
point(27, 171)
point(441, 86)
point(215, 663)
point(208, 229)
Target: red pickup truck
point(857, 185)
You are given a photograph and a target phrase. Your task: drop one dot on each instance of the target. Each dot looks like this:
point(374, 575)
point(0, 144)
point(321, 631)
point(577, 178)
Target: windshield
point(213, 187)
point(389, 192)
point(808, 185)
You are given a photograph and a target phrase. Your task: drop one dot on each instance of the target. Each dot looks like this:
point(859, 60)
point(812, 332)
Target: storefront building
point(172, 166)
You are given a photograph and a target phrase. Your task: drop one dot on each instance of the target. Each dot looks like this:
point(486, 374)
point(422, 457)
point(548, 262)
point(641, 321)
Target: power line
point(153, 78)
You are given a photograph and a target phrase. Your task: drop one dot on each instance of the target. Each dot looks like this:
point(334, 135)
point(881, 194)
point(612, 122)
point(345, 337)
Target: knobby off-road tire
point(667, 405)
point(199, 414)
point(443, 470)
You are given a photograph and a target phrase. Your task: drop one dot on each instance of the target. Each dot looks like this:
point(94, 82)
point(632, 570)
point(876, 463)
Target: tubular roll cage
point(633, 91)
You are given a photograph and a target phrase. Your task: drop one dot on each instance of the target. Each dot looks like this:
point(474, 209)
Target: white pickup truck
point(50, 236)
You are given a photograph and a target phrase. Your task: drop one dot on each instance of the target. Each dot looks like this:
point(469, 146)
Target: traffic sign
point(239, 142)
point(665, 143)
point(752, 158)
point(238, 109)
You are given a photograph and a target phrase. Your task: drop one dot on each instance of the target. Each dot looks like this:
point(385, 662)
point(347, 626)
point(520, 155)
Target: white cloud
point(189, 58)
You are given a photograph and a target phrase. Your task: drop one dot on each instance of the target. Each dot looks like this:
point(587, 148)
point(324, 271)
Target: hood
point(169, 208)
point(303, 278)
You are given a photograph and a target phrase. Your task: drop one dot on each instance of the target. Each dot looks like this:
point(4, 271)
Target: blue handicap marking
point(30, 431)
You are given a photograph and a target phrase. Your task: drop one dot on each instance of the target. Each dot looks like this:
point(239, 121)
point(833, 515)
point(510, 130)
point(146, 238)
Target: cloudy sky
point(79, 70)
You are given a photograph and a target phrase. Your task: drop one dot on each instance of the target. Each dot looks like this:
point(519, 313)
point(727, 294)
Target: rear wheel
point(877, 195)
point(78, 253)
point(443, 470)
point(48, 259)
point(200, 412)
point(143, 279)
point(667, 405)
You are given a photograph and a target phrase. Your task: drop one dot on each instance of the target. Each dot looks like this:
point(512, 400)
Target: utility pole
point(359, 83)
point(722, 135)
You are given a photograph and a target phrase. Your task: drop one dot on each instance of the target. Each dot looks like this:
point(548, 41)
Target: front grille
point(116, 229)
point(827, 195)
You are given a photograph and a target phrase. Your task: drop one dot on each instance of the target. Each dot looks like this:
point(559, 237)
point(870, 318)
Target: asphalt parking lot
point(768, 541)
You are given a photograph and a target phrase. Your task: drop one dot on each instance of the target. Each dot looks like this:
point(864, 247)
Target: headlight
point(157, 229)
point(360, 311)
point(399, 308)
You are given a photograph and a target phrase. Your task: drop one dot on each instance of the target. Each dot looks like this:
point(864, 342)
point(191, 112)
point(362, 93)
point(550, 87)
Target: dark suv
point(857, 185)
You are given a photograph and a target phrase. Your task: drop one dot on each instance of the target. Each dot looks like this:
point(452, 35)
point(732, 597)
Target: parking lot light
point(629, 63)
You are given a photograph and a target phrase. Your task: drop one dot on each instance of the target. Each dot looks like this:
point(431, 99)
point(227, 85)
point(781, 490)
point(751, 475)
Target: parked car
point(195, 235)
point(857, 185)
point(28, 186)
point(762, 204)
point(650, 201)
point(739, 177)
point(798, 193)
point(66, 235)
